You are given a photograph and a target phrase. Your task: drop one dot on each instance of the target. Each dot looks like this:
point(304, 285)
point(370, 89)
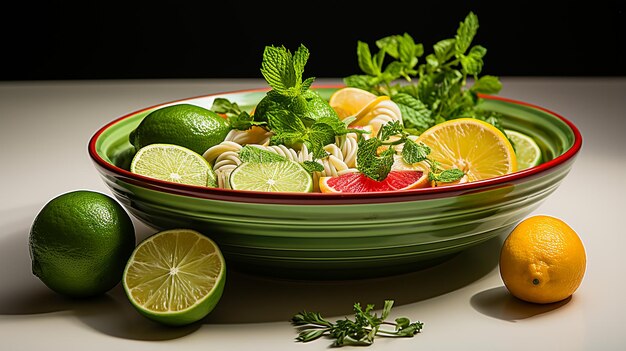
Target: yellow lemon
point(349, 101)
point(542, 260)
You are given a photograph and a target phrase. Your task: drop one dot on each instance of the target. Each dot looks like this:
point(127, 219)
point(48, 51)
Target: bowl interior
point(553, 134)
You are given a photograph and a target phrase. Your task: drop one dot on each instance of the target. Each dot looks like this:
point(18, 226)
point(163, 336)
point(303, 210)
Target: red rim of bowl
point(329, 198)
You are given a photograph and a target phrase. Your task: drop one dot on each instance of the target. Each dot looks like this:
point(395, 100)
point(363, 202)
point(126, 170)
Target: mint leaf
point(449, 175)
point(284, 121)
point(389, 45)
point(338, 126)
point(225, 106)
point(444, 49)
point(487, 85)
point(254, 154)
point(364, 82)
point(415, 114)
point(473, 63)
point(300, 57)
point(283, 71)
point(408, 51)
point(288, 129)
point(432, 63)
point(364, 57)
point(374, 166)
point(320, 135)
point(413, 152)
point(237, 119)
point(243, 121)
point(465, 33)
point(390, 129)
point(312, 166)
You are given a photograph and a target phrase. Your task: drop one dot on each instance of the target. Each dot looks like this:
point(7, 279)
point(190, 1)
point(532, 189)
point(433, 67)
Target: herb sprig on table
point(361, 330)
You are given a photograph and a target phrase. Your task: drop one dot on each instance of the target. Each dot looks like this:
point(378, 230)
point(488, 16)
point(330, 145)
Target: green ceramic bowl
point(311, 236)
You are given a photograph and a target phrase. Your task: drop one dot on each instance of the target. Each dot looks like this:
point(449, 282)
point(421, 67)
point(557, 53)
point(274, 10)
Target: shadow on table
point(246, 299)
point(499, 303)
point(22, 293)
point(254, 299)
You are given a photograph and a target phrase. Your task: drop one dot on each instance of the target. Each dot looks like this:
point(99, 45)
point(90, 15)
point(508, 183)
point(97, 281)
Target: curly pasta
point(254, 135)
point(342, 154)
point(384, 112)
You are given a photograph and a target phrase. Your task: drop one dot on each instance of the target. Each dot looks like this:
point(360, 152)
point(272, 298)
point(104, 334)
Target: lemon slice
point(471, 145)
point(349, 101)
point(526, 149)
point(173, 163)
point(175, 277)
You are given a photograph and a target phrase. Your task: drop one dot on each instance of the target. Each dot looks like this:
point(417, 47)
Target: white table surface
point(44, 130)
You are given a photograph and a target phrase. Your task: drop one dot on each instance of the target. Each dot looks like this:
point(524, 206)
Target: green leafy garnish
point(237, 118)
point(362, 330)
point(254, 154)
point(312, 166)
point(440, 92)
point(283, 71)
point(377, 166)
point(295, 114)
point(370, 163)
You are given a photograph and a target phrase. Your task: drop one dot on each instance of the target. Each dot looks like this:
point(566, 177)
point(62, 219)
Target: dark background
point(100, 40)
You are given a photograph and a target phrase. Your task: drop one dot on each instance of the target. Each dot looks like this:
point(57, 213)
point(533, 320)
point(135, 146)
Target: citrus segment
point(282, 176)
point(356, 182)
point(173, 163)
point(475, 147)
point(526, 149)
point(542, 260)
point(175, 277)
point(349, 101)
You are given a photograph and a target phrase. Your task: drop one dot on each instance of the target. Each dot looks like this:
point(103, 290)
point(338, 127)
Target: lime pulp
point(283, 176)
point(175, 277)
point(173, 163)
point(527, 150)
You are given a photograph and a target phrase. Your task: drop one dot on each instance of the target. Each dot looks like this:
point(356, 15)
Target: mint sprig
point(441, 91)
point(237, 118)
point(377, 166)
point(283, 70)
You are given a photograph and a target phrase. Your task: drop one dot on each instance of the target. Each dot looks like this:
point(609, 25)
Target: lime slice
point(283, 176)
point(173, 163)
point(526, 149)
point(175, 277)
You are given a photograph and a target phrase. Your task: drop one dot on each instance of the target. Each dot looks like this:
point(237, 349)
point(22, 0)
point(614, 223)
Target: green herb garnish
point(440, 92)
point(254, 154)
point(360, 331)
point(237, 118)
point(378, 166)
point(295, 114)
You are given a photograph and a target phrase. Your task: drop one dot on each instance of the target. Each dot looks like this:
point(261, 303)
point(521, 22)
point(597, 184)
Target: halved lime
point(175, 277)
point(173, 163)
point(526, 149)
point(282, 176)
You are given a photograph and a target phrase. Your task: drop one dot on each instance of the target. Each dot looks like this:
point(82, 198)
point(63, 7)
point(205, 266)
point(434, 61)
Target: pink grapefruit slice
point(356, 182)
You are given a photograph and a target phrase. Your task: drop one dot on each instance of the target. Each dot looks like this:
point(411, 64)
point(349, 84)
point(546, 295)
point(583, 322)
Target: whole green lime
point(191, 126)
point(309, 107)
point(80, 242)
